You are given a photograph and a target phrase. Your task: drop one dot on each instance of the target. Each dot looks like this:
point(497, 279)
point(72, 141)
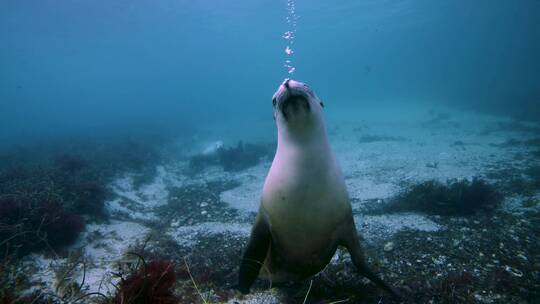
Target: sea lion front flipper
point(352, 244)
point(254, 255)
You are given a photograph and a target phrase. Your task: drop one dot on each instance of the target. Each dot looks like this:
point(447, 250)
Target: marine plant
point(232, 159)
point(533, 173)
point(69, 163)
point(151, 283)
point(455, 198)
point(239, 158)
point(84, 196)
point(376, 138)
point(30, 224)
point(531, 202)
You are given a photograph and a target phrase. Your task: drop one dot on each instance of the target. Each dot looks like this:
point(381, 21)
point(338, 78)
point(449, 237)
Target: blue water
point(135, 131)
point(84, 66)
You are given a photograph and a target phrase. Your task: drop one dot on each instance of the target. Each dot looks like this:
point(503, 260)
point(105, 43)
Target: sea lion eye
point(274, 101)
point(322, 104)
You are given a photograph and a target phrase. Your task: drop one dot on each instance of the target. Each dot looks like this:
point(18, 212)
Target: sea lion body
point(305, 202)
point(305, 213)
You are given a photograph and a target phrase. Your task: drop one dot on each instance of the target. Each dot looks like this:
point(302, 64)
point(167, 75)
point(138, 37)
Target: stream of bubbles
point(289, 36)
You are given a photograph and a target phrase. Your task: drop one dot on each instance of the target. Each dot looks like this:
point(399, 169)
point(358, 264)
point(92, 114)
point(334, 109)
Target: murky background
point(75, 67)
point(140, 133)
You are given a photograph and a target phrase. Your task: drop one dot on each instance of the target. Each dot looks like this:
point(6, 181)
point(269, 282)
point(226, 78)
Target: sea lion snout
point(292, 98)
point(291, 84)
point(286, 83)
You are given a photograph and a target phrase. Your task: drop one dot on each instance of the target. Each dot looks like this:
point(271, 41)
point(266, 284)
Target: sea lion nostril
point(286, 83)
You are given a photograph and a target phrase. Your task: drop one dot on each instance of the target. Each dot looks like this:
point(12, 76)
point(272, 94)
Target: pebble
point(389, 246)
point(204, 212)
point(513, 271)
point(522, 257)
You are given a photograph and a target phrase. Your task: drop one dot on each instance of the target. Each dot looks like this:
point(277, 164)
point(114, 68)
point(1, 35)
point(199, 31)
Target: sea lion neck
point(304, 138)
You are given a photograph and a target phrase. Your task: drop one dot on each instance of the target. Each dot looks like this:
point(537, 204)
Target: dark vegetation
point(47, 193)
point(455, 198)
point(232, 159)
point(513, 180)
point(375, 138)
point(533, 174)
point(30, 224)
point(440, 120)
point(151, 283)
point(512, 142)
point(514, 126)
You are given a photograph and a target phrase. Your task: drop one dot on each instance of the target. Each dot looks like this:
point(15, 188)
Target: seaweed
point(512, 142)
point(151, 283)
point(438, 120)
point(376, 138)
point(69, 163)
point(533, 173)
point(231, 159)
point(515, 126)
point(85, 196)
point(455, 198)
point(531, 202)
point(240, 157)
point(199, 162)
point(33, 224)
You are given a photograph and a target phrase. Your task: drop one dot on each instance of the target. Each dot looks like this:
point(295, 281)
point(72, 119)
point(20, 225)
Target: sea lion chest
point(305, 200)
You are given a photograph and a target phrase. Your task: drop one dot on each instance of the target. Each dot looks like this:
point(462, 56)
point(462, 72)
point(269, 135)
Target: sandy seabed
point(379, 158)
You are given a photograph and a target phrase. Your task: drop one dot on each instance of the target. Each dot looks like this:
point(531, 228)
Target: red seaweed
point(152, 283)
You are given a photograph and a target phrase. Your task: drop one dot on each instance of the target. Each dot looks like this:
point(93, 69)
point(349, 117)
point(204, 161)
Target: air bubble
point(289, 36)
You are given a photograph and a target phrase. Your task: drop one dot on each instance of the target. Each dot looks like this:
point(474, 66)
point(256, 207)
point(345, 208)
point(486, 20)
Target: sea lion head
point(296, 107)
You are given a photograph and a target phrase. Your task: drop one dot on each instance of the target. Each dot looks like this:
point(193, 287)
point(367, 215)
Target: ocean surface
point(135, 138)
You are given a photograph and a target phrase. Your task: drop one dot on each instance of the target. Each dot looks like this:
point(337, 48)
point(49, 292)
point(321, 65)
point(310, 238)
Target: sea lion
point(305, 213)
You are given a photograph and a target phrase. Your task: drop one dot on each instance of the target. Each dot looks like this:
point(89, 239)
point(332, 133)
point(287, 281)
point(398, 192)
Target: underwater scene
point(269, 151)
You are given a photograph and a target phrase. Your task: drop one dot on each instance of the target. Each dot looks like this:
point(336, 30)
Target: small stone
point(513, 271)
point(521, 256)
point(389, 246)
point(204, 212)
point(203, 204)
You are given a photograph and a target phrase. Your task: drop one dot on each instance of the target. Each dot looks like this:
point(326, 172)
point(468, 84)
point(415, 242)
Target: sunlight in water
point(289, 36)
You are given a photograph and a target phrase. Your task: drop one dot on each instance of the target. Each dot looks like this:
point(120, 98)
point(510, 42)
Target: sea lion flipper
point(358, 258)
point(254, 255)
